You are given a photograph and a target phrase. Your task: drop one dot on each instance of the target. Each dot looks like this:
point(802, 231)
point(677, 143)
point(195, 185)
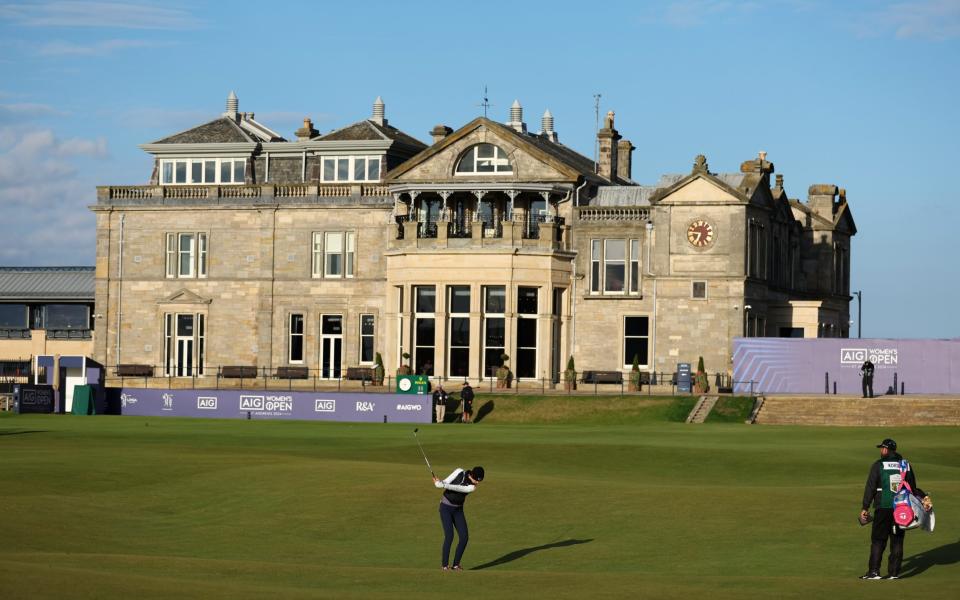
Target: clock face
point(700, 233)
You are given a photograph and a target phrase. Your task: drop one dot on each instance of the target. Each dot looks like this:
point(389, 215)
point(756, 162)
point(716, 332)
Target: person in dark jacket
point(455, 489)
point(440, 403)
point(466, 394)
point(883, 482)
point(866, 378)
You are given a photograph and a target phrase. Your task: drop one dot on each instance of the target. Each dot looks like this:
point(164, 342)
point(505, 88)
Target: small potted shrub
point(378, 370)
point(503, 372)
point(570, 376)
point(701, 384)
point(635, 374)
point(405, 368)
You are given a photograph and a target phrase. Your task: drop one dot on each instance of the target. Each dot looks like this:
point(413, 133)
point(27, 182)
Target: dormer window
point(482, 159)
point(187, 171)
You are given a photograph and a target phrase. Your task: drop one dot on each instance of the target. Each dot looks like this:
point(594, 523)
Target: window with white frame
point(425, 304)
point(296, 338)
point(484, 159)
point(350, 168)
point(634, 266)
point(615, 266)
point(458, 330)
point(636, 340)
point(494, 327)
point(367, 331)
point(186, 255)
point(194, 171)
point(334, 254)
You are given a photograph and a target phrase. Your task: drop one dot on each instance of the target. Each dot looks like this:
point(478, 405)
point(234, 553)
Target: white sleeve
point(445, 484)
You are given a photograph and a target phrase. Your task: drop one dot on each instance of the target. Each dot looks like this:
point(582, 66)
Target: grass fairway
point(594, 504)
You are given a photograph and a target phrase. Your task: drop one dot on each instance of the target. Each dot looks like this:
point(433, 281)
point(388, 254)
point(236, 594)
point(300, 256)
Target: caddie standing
point(866, 378)
point(883, 482)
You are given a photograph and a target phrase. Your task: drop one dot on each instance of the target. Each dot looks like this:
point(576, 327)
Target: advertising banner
point(265, 404)
point(33, 399)
point(811, 366)
point(412, 384)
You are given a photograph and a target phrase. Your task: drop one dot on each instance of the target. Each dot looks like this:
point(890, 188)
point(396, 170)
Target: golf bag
point(907, 508)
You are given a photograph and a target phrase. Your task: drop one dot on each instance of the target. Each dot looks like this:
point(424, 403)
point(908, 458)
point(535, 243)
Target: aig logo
point(251, 402)
point(320, 405)
point(207, 403)
point(853, 356)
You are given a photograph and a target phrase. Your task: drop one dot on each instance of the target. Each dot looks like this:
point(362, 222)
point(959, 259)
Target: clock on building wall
point(700, 233)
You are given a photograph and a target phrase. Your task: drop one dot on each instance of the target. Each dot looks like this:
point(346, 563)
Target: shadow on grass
point(484, 410)
point(512, 556)
point(22, 431)
point(948, 554)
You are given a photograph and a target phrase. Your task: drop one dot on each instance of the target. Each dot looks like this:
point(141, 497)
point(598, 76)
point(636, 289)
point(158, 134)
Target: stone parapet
point(203, 195)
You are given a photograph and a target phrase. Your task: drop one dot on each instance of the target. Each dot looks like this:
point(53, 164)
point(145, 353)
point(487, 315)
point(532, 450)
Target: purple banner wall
point(801, 366)
point(237, 404)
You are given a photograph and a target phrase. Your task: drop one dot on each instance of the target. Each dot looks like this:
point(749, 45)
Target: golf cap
point(888, 444)
point(477, 473)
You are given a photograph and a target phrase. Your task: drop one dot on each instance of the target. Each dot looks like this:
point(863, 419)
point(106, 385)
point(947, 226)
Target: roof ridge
point(26, 269)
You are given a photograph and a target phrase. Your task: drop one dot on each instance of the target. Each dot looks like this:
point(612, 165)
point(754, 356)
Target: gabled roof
point(219, 131)
point(562, 158)
point(844, 214)
point(739, 185)
point(225, 130)
point(368, 130)
point(47, 283)
point(800, 206)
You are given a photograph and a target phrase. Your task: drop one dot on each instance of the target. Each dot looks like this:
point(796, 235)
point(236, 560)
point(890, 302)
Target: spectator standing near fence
point(440, 402)
point(866, 376)
point(466, 394)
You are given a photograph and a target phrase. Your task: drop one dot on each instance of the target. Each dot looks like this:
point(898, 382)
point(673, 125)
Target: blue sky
point(863, 94)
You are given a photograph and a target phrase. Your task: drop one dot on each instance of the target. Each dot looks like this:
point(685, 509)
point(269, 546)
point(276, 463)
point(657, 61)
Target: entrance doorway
point(331, 346)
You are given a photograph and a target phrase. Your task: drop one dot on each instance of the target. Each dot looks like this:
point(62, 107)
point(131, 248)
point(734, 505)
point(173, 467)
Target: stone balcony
point(550, 234)
point(265, 193)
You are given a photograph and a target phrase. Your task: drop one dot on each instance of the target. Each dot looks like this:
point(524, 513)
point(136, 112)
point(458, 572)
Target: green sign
point(412, 384)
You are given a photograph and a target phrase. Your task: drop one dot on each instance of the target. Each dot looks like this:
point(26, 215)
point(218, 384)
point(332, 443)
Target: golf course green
point(584, 497)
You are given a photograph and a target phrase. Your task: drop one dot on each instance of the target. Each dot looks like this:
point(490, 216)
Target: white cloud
point(935, 20)
point(45, 192)
point(101, 48)
point(119, 15)
point(25, 110)
point(686, 14)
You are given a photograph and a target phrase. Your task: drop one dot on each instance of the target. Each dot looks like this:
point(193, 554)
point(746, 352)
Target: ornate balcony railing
point(265, 192)
point(614, 213)
point(14, 334)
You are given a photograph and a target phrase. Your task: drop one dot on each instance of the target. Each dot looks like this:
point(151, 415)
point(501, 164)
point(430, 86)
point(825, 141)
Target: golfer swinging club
point(455, 489)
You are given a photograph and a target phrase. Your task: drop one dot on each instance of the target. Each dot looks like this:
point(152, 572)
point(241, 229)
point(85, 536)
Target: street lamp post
point(859, 294)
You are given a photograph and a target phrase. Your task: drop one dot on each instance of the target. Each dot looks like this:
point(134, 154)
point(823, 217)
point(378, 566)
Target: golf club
point(416, 429)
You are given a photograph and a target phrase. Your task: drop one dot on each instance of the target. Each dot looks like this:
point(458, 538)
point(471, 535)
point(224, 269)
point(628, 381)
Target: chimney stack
point(758, 165)
point(608, 139)
point(307, 131)
point(516, 117)
point(546, 126)
point(625, 159)
point(820, 199)
point(232, 106)
point(378, 112)
point(439, 132)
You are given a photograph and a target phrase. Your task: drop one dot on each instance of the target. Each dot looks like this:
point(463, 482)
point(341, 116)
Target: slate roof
point(47, 283)
point(221, 130)
point(624, 195)
point(368, 130)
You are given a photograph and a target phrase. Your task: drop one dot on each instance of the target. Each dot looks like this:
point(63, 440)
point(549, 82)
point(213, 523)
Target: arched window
point(484, 158)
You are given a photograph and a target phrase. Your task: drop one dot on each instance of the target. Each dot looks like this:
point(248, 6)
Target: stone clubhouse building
point(250, 251)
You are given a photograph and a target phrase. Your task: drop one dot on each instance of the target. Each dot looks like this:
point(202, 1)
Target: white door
point(73, 377)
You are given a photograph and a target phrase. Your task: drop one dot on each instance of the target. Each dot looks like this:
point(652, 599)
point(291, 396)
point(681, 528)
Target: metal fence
point(355, 379)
